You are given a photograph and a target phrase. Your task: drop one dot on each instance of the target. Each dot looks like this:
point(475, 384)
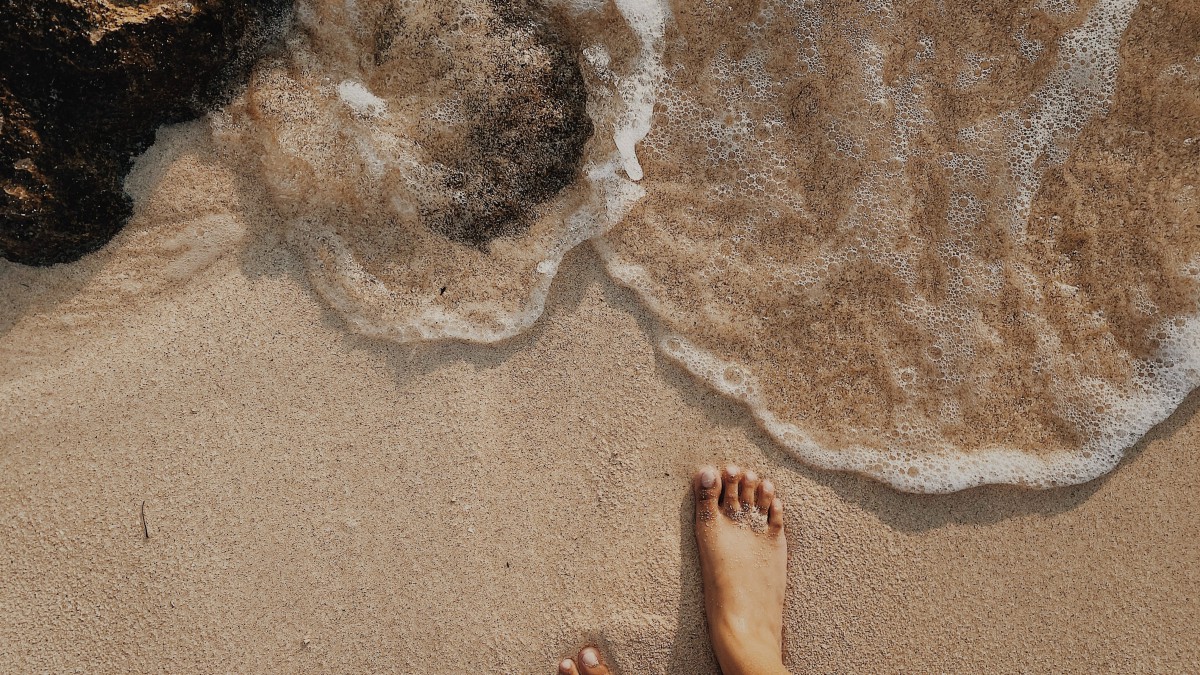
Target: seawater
point(938, 246)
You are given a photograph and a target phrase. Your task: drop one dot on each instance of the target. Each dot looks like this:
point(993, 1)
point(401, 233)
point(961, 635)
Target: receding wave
point(935, 245)
point(940, 247)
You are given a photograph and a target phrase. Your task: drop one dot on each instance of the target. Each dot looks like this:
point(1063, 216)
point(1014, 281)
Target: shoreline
point(321, 501)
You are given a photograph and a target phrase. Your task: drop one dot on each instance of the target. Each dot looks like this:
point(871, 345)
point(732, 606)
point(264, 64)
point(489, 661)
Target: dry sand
point(317, 502)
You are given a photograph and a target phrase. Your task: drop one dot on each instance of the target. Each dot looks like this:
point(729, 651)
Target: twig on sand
point(145, 528)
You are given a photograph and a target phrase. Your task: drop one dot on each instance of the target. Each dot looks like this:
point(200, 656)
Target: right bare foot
point(743, 559)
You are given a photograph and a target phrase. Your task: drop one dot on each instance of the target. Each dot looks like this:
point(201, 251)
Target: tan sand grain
point(318, 502)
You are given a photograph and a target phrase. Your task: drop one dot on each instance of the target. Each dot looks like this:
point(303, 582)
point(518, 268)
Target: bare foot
point(743, 559)
point(587, 663)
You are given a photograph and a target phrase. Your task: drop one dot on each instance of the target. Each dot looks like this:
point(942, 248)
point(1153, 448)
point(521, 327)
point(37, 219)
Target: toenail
point(732, 469)
point(590, 659)
point(566, 665)
point(768, 486)
point(708, 478)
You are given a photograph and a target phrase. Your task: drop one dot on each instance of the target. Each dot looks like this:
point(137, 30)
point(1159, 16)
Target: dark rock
point(527, 133)
point(83, 86)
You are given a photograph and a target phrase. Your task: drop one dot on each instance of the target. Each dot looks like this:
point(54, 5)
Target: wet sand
point(318, 502)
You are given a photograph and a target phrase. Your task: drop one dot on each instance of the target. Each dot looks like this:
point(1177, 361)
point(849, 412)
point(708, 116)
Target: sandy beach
point(941, 245)
point(319, 502)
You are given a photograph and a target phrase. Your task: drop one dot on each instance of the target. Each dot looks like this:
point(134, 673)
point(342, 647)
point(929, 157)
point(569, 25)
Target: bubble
point(734, 376)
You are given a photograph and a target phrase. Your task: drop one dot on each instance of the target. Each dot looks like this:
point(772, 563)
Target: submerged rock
point(83, 86)
point(526, 129)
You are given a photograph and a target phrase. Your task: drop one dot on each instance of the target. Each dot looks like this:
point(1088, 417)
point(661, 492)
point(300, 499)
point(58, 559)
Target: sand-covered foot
point(743, 559)
point(587, 663)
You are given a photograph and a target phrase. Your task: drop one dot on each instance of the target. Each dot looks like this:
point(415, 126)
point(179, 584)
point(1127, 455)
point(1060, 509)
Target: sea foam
point(930, 259)
point(932, 245)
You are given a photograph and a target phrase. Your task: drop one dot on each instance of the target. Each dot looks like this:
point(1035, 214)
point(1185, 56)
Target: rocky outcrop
point(83, 86)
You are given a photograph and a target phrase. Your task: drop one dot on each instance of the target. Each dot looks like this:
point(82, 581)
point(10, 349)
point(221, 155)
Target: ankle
point(745, 652)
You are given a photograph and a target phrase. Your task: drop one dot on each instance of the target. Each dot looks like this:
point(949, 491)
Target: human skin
point(743, 561)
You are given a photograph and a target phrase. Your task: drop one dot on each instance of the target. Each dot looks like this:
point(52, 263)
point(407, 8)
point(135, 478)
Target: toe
point(749, 491)
point(766, 495)
point(567, 667)
point(731, 495)
point(590, 662)
point(775, 515)
point(707, 487)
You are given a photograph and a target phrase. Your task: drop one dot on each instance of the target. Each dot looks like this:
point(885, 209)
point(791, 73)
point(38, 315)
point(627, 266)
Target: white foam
point(1128, 415)
point(360, 99)
point(375, 309)
point(1079, 87)
point(1030, 49)
point(648, 19)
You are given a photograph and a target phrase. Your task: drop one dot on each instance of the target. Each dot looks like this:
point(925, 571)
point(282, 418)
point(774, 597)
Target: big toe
point(707, 487)
point(590, 663)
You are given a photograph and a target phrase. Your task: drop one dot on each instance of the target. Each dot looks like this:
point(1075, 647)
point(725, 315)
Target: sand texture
point(260, 430)
point(318, 502)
